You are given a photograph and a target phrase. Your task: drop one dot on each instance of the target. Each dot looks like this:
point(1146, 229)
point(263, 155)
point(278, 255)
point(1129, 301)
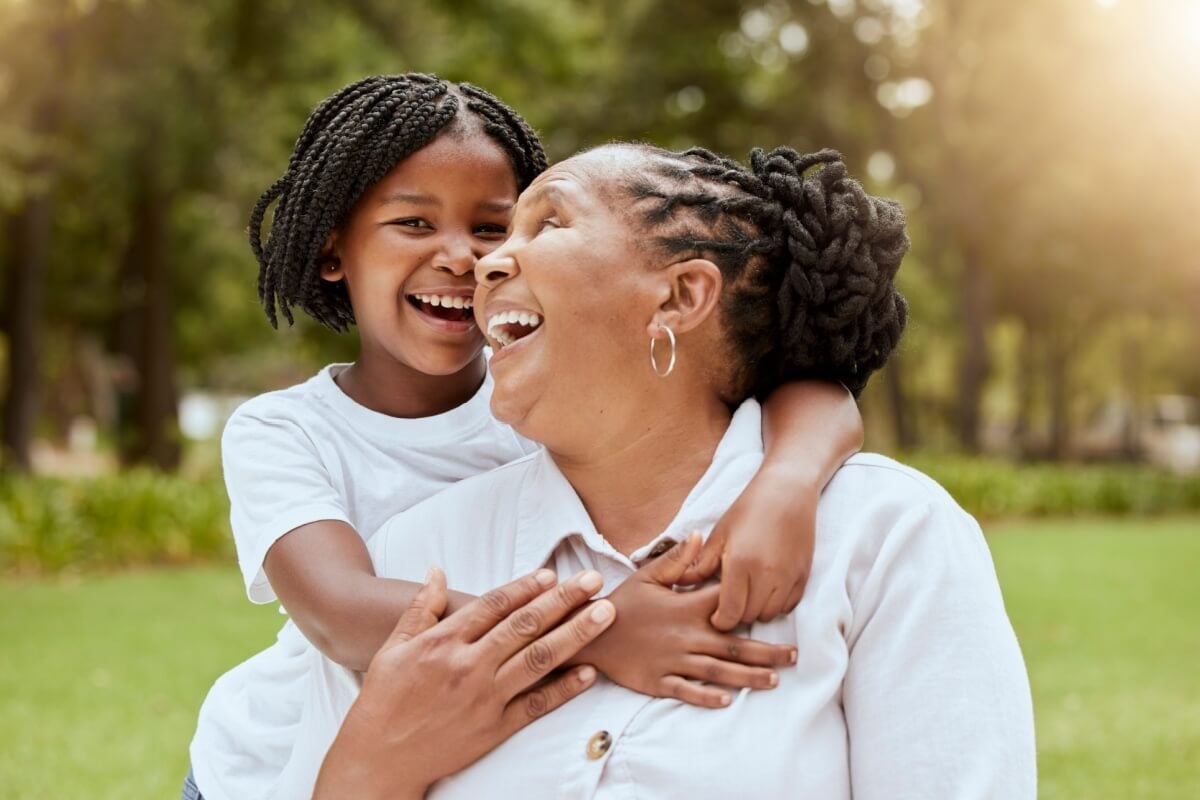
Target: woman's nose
point(495, 267)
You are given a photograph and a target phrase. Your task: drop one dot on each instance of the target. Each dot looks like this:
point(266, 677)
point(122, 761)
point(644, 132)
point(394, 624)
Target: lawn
point(100, 677)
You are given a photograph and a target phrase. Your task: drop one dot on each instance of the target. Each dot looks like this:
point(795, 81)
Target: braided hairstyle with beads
point(350, 141)
point(808, 258)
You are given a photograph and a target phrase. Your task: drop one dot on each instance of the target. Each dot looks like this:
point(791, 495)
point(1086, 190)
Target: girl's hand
point(764, 548)
point(440, 695)
point(663, 644)
point(764, 542)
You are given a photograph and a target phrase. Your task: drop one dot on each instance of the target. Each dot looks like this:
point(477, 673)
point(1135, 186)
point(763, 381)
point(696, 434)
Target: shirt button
point(598, 745)
point(662, 547)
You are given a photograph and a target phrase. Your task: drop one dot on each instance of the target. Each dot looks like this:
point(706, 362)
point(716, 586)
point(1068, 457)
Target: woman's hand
point(440, 695)
point(664, 644)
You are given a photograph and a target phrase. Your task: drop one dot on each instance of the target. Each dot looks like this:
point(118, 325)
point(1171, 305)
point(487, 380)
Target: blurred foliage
point(1042, 149)
point(145, 517)
point(141, 517)
point(992, 487)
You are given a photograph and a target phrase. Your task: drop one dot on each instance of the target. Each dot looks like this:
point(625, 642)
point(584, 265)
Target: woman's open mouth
point(447, 308)
point(508, 327)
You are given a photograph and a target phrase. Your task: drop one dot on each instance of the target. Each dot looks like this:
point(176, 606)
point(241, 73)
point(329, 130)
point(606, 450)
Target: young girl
point(396, 186)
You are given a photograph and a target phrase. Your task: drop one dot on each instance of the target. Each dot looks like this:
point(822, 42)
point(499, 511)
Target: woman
point(909, 682)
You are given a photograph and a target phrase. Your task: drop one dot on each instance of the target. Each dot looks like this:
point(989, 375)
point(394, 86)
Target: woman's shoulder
point(463, 528)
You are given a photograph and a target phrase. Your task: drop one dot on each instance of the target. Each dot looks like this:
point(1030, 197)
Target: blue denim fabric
point(190, 791)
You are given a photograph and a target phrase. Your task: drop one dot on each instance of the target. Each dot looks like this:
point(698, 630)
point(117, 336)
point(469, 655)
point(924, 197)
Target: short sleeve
point(936, 695)
point(276, 482)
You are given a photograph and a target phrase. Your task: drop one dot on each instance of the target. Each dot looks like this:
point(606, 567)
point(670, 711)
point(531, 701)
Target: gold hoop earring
point(671, 363)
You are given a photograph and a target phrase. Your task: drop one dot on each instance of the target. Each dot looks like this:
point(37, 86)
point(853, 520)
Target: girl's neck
point(397, 390)
point(632, 492)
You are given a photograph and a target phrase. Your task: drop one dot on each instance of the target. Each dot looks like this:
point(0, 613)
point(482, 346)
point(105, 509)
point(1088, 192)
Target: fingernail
point(772, 680)
point(791, 656)
point(602, 611)
point(429, 575)
point(545, 577)
point(591, 580)
point(726, 700)
point(586, 675)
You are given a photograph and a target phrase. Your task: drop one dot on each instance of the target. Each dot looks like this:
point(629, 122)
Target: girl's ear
point(329, 260)
point(691, 295)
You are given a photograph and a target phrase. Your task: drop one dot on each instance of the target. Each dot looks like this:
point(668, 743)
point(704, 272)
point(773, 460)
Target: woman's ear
point(693, 292)
point(329, 260)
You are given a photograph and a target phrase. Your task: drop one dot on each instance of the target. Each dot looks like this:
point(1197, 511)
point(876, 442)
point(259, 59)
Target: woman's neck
point(390, 387)
point(634, 490)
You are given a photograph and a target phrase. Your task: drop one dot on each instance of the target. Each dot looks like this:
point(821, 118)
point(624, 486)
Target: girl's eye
point(550, 222)
point(411, 222)
point(492, 231)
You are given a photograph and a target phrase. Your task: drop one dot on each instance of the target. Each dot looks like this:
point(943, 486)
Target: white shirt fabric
point(909, 684)
point(297, 456)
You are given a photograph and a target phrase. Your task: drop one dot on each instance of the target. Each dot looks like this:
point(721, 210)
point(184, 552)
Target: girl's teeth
point(445, 301)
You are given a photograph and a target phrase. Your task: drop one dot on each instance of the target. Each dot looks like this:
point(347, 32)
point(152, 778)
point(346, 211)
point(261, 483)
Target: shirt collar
point(551, 511)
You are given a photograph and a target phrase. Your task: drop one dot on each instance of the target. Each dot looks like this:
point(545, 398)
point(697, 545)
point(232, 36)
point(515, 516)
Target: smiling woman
point(909, 681)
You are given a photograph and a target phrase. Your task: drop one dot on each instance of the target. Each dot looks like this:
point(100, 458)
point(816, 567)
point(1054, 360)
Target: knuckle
point(539, 658)
point(712, 673)
point(526, 622)
point(536, 703)
point(496, 602)
point(734, 650)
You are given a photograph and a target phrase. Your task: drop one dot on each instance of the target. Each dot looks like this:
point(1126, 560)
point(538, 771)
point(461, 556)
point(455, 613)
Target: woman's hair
point(351, 140)
point(808, 257)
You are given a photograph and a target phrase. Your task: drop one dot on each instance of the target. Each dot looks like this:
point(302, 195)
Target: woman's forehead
point(592, 169)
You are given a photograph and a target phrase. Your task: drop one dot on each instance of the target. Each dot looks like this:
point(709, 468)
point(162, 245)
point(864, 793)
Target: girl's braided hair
point(808, 257)
point(350, 141)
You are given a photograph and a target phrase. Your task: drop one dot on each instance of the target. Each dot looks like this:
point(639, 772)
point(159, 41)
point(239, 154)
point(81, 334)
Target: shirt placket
point(597, 737)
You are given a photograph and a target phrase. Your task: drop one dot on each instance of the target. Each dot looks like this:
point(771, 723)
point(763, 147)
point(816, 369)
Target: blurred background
point(1045, 151)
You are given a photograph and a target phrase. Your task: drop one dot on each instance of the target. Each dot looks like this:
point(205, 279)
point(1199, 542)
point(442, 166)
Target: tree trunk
point(975, 363)
point(29, 242)
point(1058, 363)
point(1025, 382)
point(902, 422)
point(148, 426)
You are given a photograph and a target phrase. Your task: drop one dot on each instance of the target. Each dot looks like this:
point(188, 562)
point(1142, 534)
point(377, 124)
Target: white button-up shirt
point(909, 682)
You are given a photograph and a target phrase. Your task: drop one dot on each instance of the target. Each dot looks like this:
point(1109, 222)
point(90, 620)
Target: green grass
point(1108, 614)
point(100, 677)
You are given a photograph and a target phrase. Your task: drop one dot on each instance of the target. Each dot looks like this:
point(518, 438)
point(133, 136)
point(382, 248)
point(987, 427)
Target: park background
point(1045, 151)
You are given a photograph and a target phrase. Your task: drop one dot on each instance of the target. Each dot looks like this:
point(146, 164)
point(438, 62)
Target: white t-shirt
point(909, 684)
point(297, 456)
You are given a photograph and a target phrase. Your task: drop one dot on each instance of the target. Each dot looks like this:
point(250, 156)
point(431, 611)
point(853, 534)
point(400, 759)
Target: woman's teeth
point(445, 301)
point(509, 326)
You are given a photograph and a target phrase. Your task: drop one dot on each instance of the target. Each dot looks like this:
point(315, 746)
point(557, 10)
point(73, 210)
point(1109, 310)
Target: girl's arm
point(323, 576)
point(764, 542)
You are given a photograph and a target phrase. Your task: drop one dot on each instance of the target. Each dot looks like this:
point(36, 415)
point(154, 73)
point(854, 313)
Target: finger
point(749, 651)
point(772, 607)
point(492, 608)
point(694, 694)
point(528, 706)
point(707, 562)
point(729, 673)
point(540, 657)
point(735, 589)
point(668, 568)
point(757, 593)
point(539, 615)
point(424, 611)
point(796, 595)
